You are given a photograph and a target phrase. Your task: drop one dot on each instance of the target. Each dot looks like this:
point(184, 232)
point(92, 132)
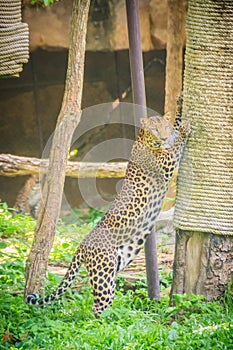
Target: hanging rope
point(14, 38)
point(205, 185)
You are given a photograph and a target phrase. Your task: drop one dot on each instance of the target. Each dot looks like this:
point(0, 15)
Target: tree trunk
point(203, 263)
point(174, 54)
point(67, 121)
point(204, 204)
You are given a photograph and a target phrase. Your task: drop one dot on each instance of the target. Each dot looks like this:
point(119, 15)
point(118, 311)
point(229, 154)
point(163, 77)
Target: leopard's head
point(157, 130)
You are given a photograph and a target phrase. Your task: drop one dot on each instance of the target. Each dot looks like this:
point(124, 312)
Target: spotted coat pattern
point(121, 233)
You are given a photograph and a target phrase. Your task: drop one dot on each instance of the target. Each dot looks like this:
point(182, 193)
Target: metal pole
point(135, 53)
point(139, 98)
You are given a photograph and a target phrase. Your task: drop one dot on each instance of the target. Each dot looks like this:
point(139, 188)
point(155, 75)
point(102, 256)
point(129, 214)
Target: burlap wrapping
point(205, 182)
point(14, 38)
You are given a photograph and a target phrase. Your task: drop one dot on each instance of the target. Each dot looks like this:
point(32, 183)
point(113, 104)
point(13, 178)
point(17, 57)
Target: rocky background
point(107, 27)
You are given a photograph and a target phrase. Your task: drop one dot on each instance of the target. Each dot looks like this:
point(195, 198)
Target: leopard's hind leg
point(101, 265)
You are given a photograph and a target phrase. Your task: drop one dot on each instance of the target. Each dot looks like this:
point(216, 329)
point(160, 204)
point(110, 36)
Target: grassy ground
point(134, 322)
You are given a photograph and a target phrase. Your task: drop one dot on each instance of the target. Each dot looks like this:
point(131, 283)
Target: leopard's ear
point(144, 121)
point(167, 117)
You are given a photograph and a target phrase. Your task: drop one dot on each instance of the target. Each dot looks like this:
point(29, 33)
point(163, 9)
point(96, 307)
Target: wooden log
point(11, 165)
point(174, 55)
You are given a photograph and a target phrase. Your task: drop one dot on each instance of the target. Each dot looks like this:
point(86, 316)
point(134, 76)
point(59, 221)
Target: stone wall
point(107, 27)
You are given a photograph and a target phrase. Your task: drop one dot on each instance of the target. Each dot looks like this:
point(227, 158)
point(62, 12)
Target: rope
point(205, 182)
point(14, 38)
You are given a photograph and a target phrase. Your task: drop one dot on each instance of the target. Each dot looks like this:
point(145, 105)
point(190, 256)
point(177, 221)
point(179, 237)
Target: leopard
point(121, 233)
point(29, 197)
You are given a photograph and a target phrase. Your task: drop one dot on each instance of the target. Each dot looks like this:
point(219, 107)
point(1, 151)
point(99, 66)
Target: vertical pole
point(135, 53)
point(139, 98)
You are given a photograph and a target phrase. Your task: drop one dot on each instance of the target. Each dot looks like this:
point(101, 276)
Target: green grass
point(134, 321)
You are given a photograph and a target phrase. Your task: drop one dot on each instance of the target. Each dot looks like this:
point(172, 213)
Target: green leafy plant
point(42, 2)
point(91, 216)
point(134, 321)
point(11, 223)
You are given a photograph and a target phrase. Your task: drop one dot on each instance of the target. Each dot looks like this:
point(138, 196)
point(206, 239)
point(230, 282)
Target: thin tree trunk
point(67, 121)
point(204, 204)
point(174, 54)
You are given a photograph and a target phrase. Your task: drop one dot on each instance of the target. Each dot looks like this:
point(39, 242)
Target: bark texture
point(67, 121)
point(204, 205)
point(174, 59)
point(203, 264)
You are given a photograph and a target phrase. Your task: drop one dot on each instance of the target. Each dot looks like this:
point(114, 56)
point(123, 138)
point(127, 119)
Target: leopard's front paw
point(185, 128)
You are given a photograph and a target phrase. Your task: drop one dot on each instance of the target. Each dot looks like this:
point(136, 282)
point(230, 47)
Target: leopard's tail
point(36, 299)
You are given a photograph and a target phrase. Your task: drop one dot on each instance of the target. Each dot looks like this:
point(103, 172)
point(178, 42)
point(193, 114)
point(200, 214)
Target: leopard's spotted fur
point(121, 233)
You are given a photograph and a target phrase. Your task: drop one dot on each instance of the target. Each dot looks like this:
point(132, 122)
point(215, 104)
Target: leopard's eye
point(156, 143)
